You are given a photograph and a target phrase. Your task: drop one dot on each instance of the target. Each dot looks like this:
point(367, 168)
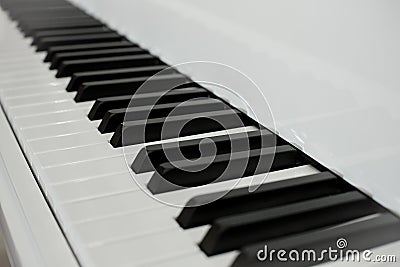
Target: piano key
point(114, 117)
point(32, 22)
point(86, 169)
point(41, 109)
point(93, 90)
point(27, 87)
point(194, 124)
point(236, 231)
point(361, 234)
point(76, 154)
point(28, 121)
point(135, 251)
point(93, 187)
point(69, 67)
point(91, 30)
point(202, 210)
point(52, 51)
point(81, 23)
point(103, 75)
point(129, 51)
point(182, 197)
point(66, 141)
point(102, 105)
point(156, 154)
point(43, 131)
point(46, 42)
point(39, 98)
point(177, 175)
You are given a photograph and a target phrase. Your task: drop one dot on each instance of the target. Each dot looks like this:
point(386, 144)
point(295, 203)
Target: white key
point(68, 115)
point(67, 141)
point(93, 187)
point(40, 98)
point(84, 169)
point(143, 250)
point(77, 154)
point(40, 132)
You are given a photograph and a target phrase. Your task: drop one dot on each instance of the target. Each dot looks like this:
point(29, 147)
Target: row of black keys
point(294, 214)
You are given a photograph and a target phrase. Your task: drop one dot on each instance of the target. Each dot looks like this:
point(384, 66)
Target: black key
point(80, 31)
point(115, 117)
point(107, 75)
point(371, 231)
point(50, 12)
point(155, 155)
point(52, 51)
point(69, 67)
point(33, 22)
point(46, 42)
point(199, 123)
point(22, 9)
point(102, 105)
point(117, 52)
point(201, 210)
point(82, 23)
point(234, 232)
point(93, 90)
point(177, 175)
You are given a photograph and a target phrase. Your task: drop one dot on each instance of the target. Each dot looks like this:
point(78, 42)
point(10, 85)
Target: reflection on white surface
point(329, 70)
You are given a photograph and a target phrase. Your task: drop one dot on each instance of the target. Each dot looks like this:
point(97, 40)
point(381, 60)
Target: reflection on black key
point(193, 124)
point(102, 105)
point(46, 42)
point(155, 155)
point(115, 117)
point(128, 51)
point(176, 175)
point(52, 51)
point(106, 75)
point(69, 67)
point(234, 232)
point(93, 90)
point(361, 234)
point(201, 210)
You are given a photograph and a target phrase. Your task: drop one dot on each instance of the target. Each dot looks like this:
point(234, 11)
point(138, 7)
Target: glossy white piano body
point(327, 71)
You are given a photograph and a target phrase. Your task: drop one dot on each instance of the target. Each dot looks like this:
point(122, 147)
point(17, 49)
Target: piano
point(199, 133)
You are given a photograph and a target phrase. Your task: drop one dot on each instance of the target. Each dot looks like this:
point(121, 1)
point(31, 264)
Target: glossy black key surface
point(93, 90)
point(102, 105)
point(46, 42)
point(80, 31)
point(49, 12)
point(177, 175)
point(129, 51)
point(233, 232)
point(155, 155)
point(115, 117)
point(69, 67)
point(198, 123)
point(33, 22)
point(82, 23)
point(361, 234)
point(201, 210)
point(52, 51)
point(114, 74)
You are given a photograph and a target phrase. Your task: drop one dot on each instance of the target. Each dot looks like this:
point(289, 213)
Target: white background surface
point(329, 70)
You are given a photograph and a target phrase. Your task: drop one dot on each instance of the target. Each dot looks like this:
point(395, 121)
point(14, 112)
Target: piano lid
point(328, 70)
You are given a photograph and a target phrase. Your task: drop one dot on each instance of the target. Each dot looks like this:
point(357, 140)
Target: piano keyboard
point(66, 86)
